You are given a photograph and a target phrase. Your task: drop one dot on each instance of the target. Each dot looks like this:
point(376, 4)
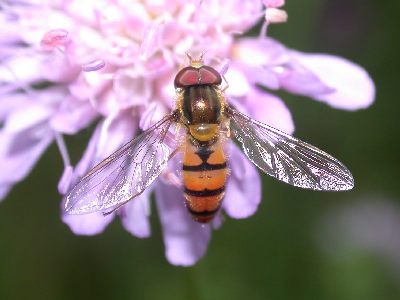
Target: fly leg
point(226, 82)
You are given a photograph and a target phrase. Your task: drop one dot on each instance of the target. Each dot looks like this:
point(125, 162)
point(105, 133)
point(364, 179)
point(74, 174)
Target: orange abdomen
point(204, 176)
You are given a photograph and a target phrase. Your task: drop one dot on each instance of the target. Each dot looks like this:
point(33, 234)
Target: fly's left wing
point(123, 175)
point(287, 158)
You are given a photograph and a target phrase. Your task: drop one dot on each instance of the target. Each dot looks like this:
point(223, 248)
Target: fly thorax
point(201, 105)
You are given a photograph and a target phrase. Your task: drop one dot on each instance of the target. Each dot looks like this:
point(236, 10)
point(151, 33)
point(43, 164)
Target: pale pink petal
point(89, 224)
point(27, 116)
point(4, 190)
point(35, 108)
point(238, 83)
point(87, 160)
point(243, 193)
point(185, 240)
point(150, 40)
point(116, 131)
point(352, 85)
point(65, 181)
point(171, 33)
point(151, 114)
point(20, 151)
point(166, 90)
point(146, 120)
point(72, 115)
point(234, 15)
point(21, 68)
point(11, 102)
point(298, 79)
point(89, 85)
point(135, 215)
point(9, 29)
point(269, 63)
point(269, 109)
point(266, 108)
point(258, 58)
point(136, 16)
point(265, 52)
point(131, 89)
point(58, 68)
point(109, 135)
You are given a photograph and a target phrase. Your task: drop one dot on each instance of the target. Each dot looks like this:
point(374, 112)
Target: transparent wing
point(125, 174)
point(287, 158)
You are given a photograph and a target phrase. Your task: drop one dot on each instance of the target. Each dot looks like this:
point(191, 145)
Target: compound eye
point(209, 75)
point(186, 77)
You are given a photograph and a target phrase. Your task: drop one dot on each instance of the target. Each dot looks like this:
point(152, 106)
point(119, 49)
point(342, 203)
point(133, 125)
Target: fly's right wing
point(125, 174)
point(286, 158)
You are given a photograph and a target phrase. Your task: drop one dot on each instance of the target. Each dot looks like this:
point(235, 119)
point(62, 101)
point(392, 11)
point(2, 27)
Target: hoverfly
point(207, 121)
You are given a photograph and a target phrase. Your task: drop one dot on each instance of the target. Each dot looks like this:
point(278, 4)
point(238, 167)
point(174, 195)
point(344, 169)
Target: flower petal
point(266, 108)
point(20, 151)
point(21, 68)
point(263, 52)
point(117, 129)
point(65, 181)
point(151, 114)
point(135, 215)
point(238, 84)
point(185, 240)
point(86, 161)
point(150, 40)
point(131, 89)
point(58, 68)
point(298, 79)
point(72, 116)
point(109, 135)
point(4, 190)
point(89, 224)
point(11, 102)
point(257, 58)
point(269, 109)
point(352, 85)
point(27, 116)
point(243, 193)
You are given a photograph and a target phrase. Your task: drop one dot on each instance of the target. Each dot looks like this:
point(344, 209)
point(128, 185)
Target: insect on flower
point(207, 122)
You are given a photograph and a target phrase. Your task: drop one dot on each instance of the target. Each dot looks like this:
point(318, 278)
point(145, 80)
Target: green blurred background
point(299, 245)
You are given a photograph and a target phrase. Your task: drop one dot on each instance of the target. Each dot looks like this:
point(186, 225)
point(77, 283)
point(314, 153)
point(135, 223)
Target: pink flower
point(68, 64)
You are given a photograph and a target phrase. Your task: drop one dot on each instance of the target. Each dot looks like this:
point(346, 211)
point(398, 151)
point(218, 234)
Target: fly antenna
point(196, 62)
point(189, 57)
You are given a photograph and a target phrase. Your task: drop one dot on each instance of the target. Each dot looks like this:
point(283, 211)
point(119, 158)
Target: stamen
point(150, 41)
point(225, 66)
point(54, 39)
point(263, 31)
point(146, 207)
point(94, 65)
point(275, 15)
point(65, 181)
point(63, 149)
point(273, 3)
point(66, 178)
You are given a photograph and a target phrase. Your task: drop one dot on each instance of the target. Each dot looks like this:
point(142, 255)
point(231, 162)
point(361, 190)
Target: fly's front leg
point(226, 82)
